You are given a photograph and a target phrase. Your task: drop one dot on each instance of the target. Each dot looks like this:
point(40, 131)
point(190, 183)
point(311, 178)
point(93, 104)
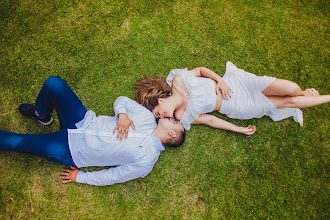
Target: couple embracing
point(131, 141)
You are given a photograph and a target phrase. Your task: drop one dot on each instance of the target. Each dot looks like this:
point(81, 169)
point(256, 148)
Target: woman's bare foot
point(311, 92)
point(249, 130)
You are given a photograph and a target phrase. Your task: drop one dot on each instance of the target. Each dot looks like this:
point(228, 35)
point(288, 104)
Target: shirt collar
point(157, 142)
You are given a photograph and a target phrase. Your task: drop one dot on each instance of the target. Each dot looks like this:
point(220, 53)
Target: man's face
point(162, 110)
point(170, 124)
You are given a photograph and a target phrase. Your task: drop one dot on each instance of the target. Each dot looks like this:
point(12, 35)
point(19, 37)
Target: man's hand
point(69, 175)
point(122, 126)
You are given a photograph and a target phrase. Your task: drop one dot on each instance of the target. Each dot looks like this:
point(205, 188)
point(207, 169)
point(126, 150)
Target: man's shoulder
point(156, 142)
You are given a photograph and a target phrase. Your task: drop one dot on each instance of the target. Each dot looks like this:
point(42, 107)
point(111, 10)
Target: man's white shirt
point(94, 144)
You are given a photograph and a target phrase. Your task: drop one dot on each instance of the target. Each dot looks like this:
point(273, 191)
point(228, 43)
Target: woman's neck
point(175, 101)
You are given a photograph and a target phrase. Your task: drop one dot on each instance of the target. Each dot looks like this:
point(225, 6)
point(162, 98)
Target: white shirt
point(94, 144)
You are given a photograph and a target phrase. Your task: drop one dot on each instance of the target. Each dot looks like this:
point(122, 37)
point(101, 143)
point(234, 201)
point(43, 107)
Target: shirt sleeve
point(124, 105)
point(113, 175)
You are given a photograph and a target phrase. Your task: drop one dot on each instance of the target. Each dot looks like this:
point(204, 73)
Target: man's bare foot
point(311, 92)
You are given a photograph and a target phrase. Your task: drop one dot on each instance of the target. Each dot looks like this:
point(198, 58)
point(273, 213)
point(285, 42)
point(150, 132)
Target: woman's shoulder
point(177, 80)
point(175, 72)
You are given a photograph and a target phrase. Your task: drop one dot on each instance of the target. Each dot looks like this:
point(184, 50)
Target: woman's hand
point(122, 126)
point(221, 85)
point(248, 130)
point(225, 90)
point(69, 176)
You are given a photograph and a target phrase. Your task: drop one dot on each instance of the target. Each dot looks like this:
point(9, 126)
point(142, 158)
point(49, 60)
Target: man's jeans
point(55, 94)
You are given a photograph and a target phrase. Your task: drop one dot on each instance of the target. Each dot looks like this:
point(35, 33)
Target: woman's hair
point(149, 90)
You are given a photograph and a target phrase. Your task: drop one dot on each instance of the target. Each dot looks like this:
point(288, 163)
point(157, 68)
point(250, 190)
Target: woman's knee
point(292, 89)
point(282, 87)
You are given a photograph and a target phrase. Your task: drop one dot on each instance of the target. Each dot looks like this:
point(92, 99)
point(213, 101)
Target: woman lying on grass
point(238, 95)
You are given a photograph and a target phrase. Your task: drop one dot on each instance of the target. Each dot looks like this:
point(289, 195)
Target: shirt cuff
point(120, 110)
point(81, 177)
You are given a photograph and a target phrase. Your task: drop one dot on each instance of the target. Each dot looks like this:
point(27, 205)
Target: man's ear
point(172, 134)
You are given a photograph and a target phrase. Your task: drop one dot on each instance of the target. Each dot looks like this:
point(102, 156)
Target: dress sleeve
point(188, 78)
point(113, 175)
point(186, 120)
point(173, 74)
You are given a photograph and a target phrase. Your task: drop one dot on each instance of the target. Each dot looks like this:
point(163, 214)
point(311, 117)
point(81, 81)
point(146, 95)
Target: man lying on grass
point(86, 140)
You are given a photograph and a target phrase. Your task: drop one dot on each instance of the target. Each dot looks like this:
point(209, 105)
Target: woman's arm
point(221, 84)
point(216, 122)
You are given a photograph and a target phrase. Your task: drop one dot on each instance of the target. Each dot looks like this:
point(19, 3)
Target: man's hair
point(149, 90)
point(178, 140)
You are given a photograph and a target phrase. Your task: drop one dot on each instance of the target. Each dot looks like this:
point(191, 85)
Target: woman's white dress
point(246, 101)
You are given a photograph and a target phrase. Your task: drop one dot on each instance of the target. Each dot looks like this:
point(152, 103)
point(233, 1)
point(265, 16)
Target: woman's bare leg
point(298, 101)
point(286, 94)
point(282, 87)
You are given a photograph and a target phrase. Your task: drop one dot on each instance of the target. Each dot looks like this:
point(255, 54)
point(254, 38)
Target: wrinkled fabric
point(93, 143)
point(246, 102)
point(201, 91)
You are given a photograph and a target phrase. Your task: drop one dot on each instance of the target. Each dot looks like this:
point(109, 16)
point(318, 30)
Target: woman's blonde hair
point(149, 90)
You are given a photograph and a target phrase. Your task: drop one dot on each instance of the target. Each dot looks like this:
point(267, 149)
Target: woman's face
point(162, 110)
point(170, 124)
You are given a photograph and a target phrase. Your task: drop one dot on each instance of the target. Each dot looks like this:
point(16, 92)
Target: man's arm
point(124, 105)
point(122, 126)
point(104, 177)
point(69, 176)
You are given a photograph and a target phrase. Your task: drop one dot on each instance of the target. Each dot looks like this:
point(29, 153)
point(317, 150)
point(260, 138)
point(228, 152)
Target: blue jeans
point(55, 94)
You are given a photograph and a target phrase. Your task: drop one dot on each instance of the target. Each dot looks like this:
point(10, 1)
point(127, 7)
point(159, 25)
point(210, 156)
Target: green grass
point(102, 47)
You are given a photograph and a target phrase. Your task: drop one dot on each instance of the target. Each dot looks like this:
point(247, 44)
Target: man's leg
point(53, 146)
point(56, 94)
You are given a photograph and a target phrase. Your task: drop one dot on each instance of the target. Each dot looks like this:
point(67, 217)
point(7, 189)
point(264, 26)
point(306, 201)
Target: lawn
point(102, 47)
